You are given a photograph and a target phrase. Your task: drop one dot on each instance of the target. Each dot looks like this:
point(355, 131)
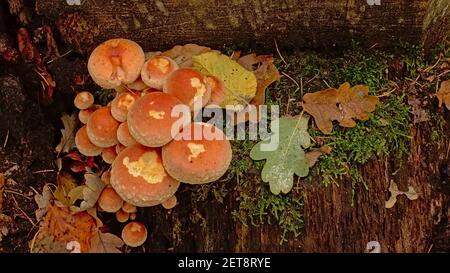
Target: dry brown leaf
point(443, 94)
point(60, 225)
point(183, 54)
point(420, 115)
point(313, 155)
point(43, 201)
point(89, 193)
point(105, 243)
point(68, 133)
point(66, 183)
point(2, 186)
point(6, 223)
point(411, 194)
point(343, 105)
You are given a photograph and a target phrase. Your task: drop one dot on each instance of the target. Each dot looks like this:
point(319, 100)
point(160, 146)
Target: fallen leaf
point(2, 186)
point(6, 223)
point(61, 226)
point(443, 94)
point(43, 201)
point(66, 183)
point(411, 194)
point(68, 133)
point(289, 157)
point(313, 155)
point(240, 84)
point(88, 193)
point(420, 115)
point(183, 54)
point(341, 104)
point(105, 243)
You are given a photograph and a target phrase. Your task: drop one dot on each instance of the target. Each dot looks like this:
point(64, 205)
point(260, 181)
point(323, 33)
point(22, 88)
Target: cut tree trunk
point(158, 25)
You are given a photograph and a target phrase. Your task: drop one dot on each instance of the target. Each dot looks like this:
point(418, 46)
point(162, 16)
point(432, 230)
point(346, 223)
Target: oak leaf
point(43, 201)
point(411, 194)
point(105, 243)
point(68, 133)
point(88, 193)
point(182, 55)
point(443, 94)
point(288, 158)
point(313, 155)
point(342, 105)
point(66, 183)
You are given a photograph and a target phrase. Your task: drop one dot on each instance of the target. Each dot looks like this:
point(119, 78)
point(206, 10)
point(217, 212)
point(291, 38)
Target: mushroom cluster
point(135, 131)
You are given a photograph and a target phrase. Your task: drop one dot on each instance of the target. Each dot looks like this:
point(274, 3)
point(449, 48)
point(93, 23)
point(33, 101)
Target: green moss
point(103, 96)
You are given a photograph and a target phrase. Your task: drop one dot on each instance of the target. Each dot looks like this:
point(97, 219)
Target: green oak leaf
point(289, 158)
point(240, 83)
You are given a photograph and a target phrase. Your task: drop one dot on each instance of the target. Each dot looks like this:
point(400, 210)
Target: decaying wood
point(157, 25)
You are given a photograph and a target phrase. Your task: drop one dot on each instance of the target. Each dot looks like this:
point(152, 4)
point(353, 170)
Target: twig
point(326, 83)
point(301, 87)
point(310, 80)
point(292, 79)
point(385, 94)
point(59, 57)
point(18, 193)
point(43, 171)
point(6, 139)
point(433, 66)
point(279, 53)
point(448, 150)
point(23, 212)
point(443, 73)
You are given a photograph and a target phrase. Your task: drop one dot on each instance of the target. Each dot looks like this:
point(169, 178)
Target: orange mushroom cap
point(198, 161)
point(83, 100)
point(109, 154)
point(109, 200)
point(122, 216)
point(170, 203)
point(106, 177)
point(121, 104)
point(124, 136)
point(138, 176)
point(102, 128)
point(217, 90)
point(188, 85)
point(84, 114)
point(120, 148)
point(84, 145)
point(156, 69)
point(134, 234)
point(129, 207)
point(150, 121)
point(116, 62)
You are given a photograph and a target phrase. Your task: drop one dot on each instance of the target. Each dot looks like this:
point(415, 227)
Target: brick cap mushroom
point(134, 234)
point(121, 104)
point(84, 145)
point(138, 176)
point(156, 69)
point(150, 121)
point(116, 62)
point(83, 100)
point(102, 128)
point(109, 200)
point(198, 160)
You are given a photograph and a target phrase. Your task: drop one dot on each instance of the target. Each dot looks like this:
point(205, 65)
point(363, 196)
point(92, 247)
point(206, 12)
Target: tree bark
point(158, 25)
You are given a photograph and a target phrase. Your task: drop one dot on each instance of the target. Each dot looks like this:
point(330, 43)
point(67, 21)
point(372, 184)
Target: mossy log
point(158, 25)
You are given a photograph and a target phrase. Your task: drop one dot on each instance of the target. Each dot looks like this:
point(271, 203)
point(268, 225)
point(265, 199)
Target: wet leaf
point(411, 194)
point(88, 193)
point(183, 54)
point(43, 201)
point(342, 105)
point(105, 243)
point(313, 155)
point(289, 157)
point(240, 84)
point(66, 183)
point(443, 94)
point(61, 226)
point(68, 133)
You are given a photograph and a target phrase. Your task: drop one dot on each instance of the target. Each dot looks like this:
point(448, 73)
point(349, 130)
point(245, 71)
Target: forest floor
point(405, 81)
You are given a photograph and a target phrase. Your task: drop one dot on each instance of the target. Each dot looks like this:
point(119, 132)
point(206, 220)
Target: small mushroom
point(197, 160)
point(119, 148)
point(122, 216)
point(138, 176)
point(84, 114)
point(156, 69)
point(188, 85)
point(83, 100)
point(137, 86)
point(134, 234)
point(170, 203)
point(106, 177)
point(150, 121)
point(109, 200)
point(116, 62)
point(109, 154)
point(102, 128)
point(132, 216)
point(217, 90)
point(121, 104)
point(84, 145)
point(129, 207)
point(124, 136)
